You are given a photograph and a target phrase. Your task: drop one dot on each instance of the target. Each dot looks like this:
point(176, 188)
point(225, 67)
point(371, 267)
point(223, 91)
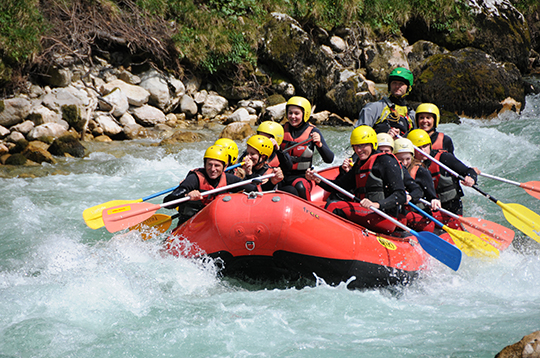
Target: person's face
point(213, 168)
point(385, 149)
point(295, 115)
point(426, 121)
point(363, 151)
point(253, 154)
point(398, 88)
point(404, 158)
point(425, 149)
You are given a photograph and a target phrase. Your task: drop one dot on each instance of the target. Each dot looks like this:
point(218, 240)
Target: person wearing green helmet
point(391, 114)
point(211, 176)
point(298, 130)
point(427, 118)
point(375, 178)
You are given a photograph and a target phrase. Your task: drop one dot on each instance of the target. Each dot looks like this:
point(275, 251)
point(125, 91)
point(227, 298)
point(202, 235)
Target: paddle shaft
point(508, 181)
point(297, 144)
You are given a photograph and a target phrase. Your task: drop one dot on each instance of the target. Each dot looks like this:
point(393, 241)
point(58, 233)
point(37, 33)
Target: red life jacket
point(302, 155)
point(367, 184)
point(414, 170)
point(438, 143)
point(444, 185)
point(204, 185)
point(274, 162)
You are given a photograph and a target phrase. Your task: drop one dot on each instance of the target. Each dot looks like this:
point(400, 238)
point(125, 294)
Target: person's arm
point(455, 164)
point(448, 145)
point(425, 181)
point(190, 183)
point(368, 115)
point(390, 173)
point(285, 160)
point(324, 150)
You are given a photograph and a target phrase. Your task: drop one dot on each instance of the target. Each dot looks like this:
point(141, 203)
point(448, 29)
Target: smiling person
point(297, 130)
point(427, 118)
point(256, 161)
point(447, 186)
point(375, 178)
point(211, 176)
point(391, 114)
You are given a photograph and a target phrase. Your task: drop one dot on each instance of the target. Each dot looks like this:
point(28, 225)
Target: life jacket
point(437, 144)
point(367, 184)
point(204, 185)
point(274, 162)
point(414, 169)
point(302, 155)
point(264, 170)
point(395, 117)
point(444, 184)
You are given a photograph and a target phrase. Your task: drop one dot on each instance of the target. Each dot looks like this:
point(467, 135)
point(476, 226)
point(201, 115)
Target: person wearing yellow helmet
point(447, 186)
point(427, 118)
point(274, 131)
point(298, 130)
point(391, 114)
point(375, 178)
point(404, 152)
point(258, 149)
point(211, 176)
point(231, 148)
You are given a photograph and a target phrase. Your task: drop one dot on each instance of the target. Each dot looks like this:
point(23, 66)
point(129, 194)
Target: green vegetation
point(209, 35)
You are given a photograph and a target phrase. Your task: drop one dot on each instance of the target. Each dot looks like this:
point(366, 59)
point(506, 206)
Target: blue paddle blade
point(440, 249)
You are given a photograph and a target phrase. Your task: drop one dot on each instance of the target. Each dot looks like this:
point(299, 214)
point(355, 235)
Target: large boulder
point(528, 347)
point(136, 95)
point(67, 144)
point(14, 110)
point(469, 82)
point(498, 29)
point(381, 58)
point(292, 50)
point(237, 131)
point(350, 94)
point(148, 115)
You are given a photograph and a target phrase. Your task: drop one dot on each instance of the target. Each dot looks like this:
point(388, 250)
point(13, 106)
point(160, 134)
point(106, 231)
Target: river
point(69, 291)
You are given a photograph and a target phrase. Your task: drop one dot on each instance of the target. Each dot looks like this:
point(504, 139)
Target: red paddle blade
point(532, 188)
point(496, 235)
point(123, 216)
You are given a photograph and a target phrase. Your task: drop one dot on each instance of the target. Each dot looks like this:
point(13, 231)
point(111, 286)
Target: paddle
point(297, 144)
point(92, 216)
point(469, 243)
point(160, 223)
point(495, 234)
point(123, 216)
point(522, 218)
point(440, 249)
point(531, 187)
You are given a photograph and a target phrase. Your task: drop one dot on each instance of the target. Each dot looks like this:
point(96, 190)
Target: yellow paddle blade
point(93, 216)
point(523, 219)
point(471, 244)
point(159, 223)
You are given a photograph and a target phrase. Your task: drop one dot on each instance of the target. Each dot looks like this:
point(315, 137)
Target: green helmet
point(401, 74)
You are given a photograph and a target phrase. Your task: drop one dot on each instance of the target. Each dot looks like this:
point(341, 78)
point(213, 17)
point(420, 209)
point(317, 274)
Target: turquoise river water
point(69, 291)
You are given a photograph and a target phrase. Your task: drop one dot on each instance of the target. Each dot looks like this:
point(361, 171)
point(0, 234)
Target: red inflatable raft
point(274, 235)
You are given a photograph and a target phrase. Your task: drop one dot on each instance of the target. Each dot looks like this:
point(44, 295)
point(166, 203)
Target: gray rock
point(157, 86)
point(275, 113)
point(136, 95)
point(24, 127)
point(381, 58)
point(129, 77)
point(109, 126)
point(53, 130)
point(115, 99)
point(15, 137)
point(188, 106)
point(4, 131)
point(42, 114)
point(14, 110)
point(338, 44)
point(214, 105)
point(147, 115)
point(126, 119)
point(240, 115)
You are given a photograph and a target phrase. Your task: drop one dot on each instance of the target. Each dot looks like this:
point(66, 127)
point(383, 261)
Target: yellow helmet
point(273, 128)
point(218, 153)
point(231, 148)
point(419, 137)
point(263, 145)
point(429, 108)
point(302, 103)
point(403, 145)
point(385, 139)
point(364, 135)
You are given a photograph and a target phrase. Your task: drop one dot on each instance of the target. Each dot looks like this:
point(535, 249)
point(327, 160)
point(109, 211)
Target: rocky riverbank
point(339, 72)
